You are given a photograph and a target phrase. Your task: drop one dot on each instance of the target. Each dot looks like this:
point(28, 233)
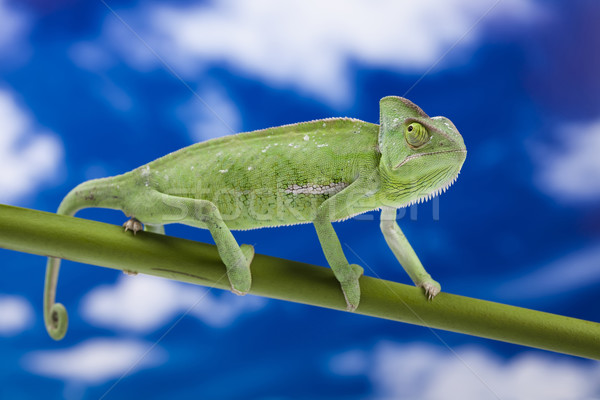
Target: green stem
point(97, 243)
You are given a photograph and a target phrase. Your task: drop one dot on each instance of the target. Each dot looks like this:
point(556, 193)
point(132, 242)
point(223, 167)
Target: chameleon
point(311, 172)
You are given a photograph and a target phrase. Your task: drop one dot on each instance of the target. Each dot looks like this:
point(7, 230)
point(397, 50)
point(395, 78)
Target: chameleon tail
point(94, 193)
point(55, 314)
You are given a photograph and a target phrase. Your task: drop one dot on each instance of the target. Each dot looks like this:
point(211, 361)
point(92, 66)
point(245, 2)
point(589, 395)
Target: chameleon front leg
point(405, 254)
point(347, 274)
point(205, 214)
point(332, 209)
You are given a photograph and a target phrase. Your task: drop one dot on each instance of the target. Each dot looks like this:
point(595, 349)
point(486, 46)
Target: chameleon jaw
point(434, 193)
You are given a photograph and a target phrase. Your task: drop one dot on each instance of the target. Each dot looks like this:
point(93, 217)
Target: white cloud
point(351, 362)
point(16, 315)
point(210, 115)
point(575, 271)
point(425, 372)
point(28, 155)
point(571, 171)
point(144, 303)
point(94, 361)
point(309, 44)
point(221, 311)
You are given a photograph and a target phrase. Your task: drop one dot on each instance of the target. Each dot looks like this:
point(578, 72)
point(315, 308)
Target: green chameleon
point(319, 171)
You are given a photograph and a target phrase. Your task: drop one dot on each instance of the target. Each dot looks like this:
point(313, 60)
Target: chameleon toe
point(133, 225)
point(432, 289)
point(351, 288)
point(248, 252)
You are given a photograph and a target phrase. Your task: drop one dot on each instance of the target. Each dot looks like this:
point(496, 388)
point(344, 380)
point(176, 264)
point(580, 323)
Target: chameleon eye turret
point(416, 135)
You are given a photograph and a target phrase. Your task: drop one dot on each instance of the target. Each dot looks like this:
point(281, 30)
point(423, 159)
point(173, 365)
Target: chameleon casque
point(318, 172)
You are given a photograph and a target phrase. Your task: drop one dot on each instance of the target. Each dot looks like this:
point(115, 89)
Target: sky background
point(96, 88)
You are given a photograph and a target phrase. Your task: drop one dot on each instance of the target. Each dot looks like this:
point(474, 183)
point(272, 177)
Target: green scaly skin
point(318, 172)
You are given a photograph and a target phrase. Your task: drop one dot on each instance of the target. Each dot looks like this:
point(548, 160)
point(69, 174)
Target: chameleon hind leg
point(134, 225)
point(405, 254)
point(204, 214)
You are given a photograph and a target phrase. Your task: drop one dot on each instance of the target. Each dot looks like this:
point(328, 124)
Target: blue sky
point(97, 88)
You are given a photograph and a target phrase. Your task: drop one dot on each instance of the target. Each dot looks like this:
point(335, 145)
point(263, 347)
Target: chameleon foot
point(432, 288)
point(351, 287)
point(133, 225)
point(240, 277)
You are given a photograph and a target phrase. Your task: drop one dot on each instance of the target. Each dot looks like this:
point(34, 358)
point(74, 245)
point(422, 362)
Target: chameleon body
point(318, 172)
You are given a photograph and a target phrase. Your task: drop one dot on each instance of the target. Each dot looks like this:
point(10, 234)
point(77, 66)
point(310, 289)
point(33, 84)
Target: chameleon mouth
point(407, 159)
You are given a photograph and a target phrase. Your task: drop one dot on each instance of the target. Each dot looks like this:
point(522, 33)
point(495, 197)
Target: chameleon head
point(420, 156)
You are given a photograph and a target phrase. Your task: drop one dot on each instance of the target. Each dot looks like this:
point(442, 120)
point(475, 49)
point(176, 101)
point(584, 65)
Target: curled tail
point(95, 193)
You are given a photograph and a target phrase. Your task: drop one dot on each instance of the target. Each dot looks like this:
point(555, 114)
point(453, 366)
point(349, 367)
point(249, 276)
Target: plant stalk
point(97, 243)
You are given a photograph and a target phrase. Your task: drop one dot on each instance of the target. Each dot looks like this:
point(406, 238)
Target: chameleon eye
point(416, 135)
